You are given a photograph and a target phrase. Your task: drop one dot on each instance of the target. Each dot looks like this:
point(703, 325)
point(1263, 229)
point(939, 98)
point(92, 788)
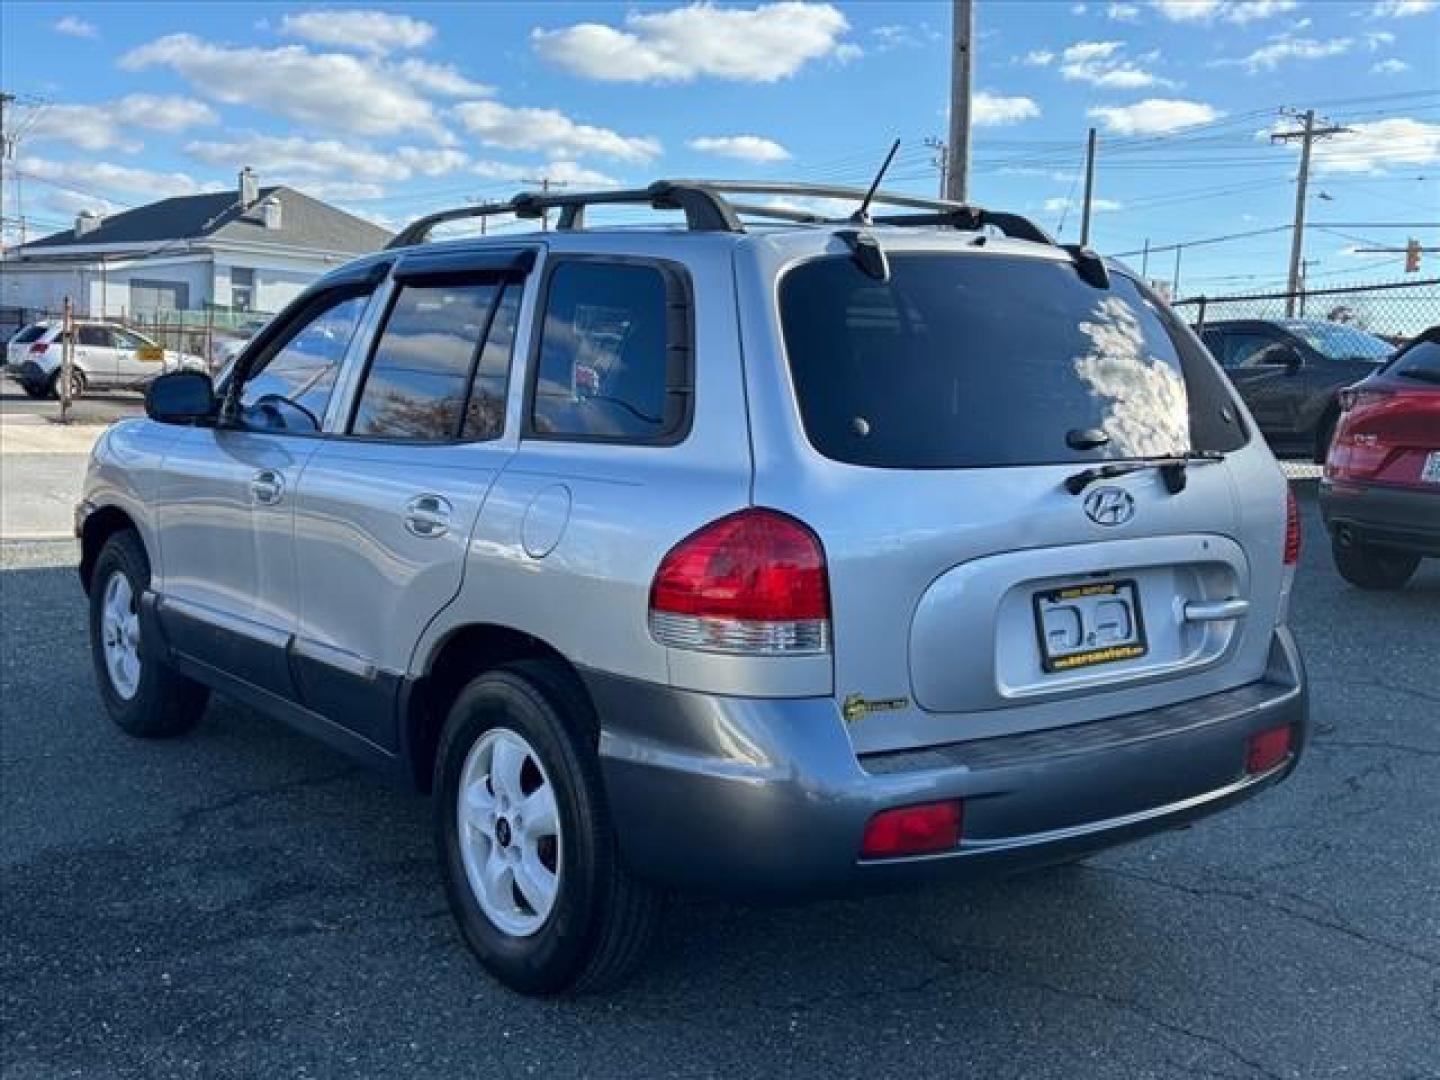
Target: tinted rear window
point(29, 334)
point(974, 360)
point(1420, 361)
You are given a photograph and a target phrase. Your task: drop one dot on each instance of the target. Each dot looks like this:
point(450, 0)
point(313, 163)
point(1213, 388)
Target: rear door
point(1273, 388)
point(941, 414)
point(387, 504)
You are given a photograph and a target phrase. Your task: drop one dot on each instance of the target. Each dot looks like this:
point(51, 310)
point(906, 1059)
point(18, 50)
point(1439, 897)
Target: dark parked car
point(1290, 373)
point(1381, 491)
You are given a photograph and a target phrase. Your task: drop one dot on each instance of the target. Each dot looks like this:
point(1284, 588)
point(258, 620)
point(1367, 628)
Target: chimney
point(249, 188)
point(86, 222)
point(270, 212)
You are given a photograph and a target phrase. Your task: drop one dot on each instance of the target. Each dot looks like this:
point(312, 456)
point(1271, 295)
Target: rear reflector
point(1292, 528)
point(912, 830)
point(1267, 749)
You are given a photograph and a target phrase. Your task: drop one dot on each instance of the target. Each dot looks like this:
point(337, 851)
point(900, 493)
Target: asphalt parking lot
point(246, 903)
point(98, 407)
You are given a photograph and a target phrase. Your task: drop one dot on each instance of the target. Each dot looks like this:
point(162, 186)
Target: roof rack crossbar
point(707, 209)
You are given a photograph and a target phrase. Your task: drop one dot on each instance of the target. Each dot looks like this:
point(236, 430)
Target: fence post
point(1200, 319)
point(67, 359)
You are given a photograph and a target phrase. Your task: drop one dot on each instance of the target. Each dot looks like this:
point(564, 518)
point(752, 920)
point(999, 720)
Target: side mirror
point(181, 397)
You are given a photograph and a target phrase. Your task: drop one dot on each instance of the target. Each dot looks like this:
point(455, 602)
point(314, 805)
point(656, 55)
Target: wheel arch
point(462, 654)
point(100, 525)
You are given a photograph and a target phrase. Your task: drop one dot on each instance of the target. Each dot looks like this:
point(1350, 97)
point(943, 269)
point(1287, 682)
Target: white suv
point(106, 355)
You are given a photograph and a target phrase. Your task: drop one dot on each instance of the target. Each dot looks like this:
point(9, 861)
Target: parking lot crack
point(197, 813)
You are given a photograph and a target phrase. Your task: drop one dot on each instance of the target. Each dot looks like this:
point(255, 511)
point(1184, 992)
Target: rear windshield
point(29, 334)
point(978, 360)
point(1340, 342)
point(1421, 361)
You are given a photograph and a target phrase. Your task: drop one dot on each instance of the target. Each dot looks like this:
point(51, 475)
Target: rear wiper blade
point(1171, 466)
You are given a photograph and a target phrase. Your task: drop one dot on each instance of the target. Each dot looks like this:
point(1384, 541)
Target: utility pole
point(941, 161)
point(1089, 189)
point(545, 185)
point(1307, 136)
point(957, 175)
point(6, 100)
point(1175, 285)
point(1145, 262)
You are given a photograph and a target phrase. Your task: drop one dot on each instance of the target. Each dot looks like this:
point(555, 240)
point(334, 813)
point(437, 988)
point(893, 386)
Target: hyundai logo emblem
point(1109, 506)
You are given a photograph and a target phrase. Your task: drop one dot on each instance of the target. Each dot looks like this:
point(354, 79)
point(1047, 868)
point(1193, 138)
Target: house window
point(242, 288)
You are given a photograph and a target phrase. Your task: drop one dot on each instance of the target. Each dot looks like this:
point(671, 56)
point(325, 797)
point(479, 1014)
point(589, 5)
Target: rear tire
point(590, 922)
point(1369, 567)
point(145, 697)
point(77, 385)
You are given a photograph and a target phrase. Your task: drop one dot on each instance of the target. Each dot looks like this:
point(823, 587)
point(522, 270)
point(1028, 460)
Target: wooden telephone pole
point(1307, 134)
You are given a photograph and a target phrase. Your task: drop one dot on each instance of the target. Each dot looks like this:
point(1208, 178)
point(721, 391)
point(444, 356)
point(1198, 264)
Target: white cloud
point(1102, 63)
point(1154, 116)
point(330, 190)
point(1400, 9)
point(904, 36)
point(273, 156)
point(441, 79)
point(1371, 148)
point(76, 27)
point(88, 176)
point(1063, 205)
point(759, 44)
point(1235, 11)
point(328, 90)
point(1390, 67)
point(549, 130)
point(1038, 58)
point(994, 110)
point(1284, 47)
point(743, 147)
point(104, 125)
point(1378, 39)
point(1121, 12)
point(570, 173)
point(367, 31)
point(432, 162)
point(73, 202)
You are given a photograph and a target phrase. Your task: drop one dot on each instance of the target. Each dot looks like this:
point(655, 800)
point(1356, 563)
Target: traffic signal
point(1412, 256)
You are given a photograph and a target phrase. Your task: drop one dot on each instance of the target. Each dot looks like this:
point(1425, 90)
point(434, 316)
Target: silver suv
point(765, 559)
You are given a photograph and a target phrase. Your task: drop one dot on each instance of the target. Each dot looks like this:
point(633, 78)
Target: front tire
point(529, 857)
point(1369, 567)
point(143, 696)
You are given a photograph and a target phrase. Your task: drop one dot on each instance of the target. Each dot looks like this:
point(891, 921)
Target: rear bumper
point(28, 374)
point(1403, 518)
point(755, 798)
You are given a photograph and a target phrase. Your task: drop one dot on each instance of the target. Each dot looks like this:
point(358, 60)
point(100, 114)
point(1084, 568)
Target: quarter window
point(441, 365)
point(290, 388)
point(610, 366)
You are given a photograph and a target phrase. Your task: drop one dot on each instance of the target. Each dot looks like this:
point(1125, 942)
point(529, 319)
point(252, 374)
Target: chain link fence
point(1395, 311)
point(213, 334)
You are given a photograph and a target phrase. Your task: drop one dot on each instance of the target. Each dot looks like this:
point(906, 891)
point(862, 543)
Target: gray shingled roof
point(304, 223)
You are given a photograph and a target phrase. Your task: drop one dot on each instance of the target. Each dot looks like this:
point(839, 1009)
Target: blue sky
point(394, 110)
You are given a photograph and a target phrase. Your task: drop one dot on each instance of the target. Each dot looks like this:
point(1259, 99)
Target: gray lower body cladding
point(765, 798)
point(1402, 518)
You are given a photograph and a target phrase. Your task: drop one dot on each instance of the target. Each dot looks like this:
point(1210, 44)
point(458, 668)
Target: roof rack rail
point(707, 208)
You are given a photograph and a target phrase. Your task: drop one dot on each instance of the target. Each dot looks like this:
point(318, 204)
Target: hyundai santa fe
point(760, 554)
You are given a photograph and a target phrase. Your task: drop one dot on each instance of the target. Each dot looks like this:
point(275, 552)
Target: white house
point(251, 249)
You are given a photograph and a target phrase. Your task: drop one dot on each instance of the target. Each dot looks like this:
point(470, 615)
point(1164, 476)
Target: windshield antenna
point(862, 216)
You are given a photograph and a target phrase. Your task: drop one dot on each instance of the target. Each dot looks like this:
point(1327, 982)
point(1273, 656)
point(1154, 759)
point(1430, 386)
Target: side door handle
point(267, 487)
point(428, 515)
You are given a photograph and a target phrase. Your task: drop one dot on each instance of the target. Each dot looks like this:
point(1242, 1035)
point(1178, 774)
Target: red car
point(1380, 495)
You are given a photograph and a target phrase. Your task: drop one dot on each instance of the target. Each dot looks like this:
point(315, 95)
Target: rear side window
point(613, 363)
point(94, 335)
point(29, 334)
point(440, 366)
point(964, 361)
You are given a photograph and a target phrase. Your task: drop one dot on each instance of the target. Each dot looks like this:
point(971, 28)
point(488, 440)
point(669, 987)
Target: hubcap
point(509, 832)
point(120, 635)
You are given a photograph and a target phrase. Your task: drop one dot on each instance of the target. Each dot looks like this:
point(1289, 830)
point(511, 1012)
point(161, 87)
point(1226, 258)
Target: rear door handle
point(1216, 610)
point(428, 515)
point(267, 487)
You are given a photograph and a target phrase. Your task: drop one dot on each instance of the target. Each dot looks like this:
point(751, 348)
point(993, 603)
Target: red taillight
point(752, 582)
point(39, 348)
point(912, 830)
point(1292, 528)
point(1267, 749)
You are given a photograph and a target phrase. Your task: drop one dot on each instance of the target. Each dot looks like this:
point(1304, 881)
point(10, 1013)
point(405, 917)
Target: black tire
point(77, 385)
point(1373, 568)
point(603, 919)
point(165, 703)
point(36, 392)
